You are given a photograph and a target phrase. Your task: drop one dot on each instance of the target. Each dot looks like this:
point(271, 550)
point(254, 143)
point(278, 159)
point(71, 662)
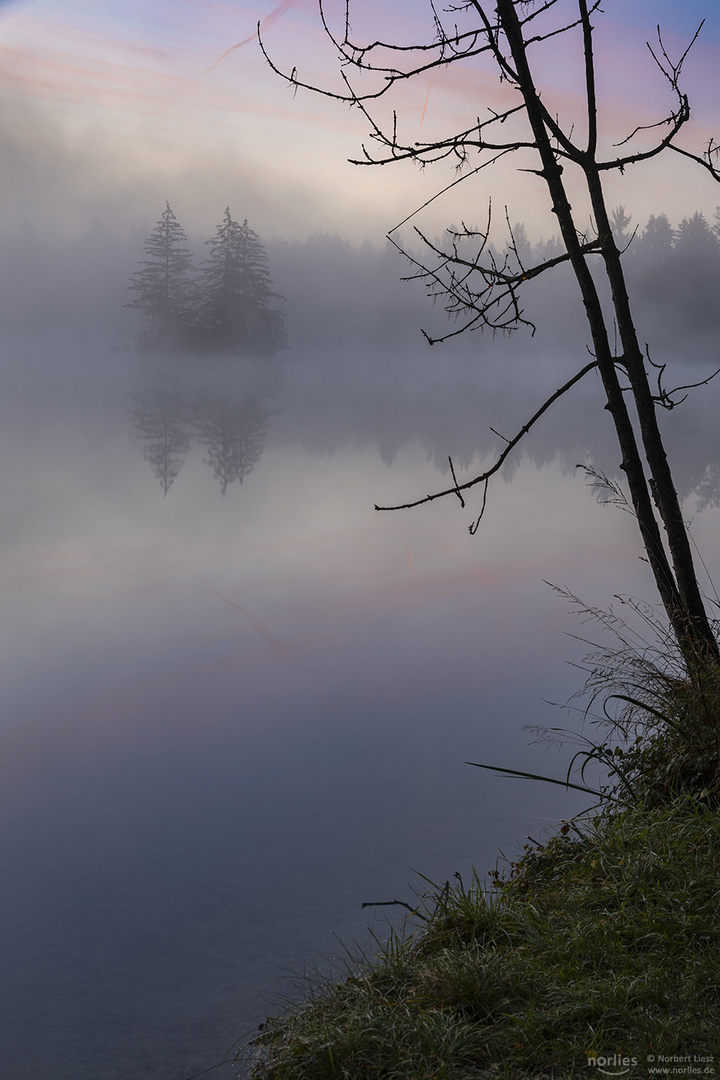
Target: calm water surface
point(238, 701)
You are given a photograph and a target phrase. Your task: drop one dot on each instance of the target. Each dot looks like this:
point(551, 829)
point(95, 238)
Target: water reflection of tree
point(162, 418)
point(227, 416)
point(232, 432)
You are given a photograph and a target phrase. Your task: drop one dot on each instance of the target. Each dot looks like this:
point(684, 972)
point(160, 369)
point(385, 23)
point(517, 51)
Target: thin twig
point(512, 443)
point(457, 492)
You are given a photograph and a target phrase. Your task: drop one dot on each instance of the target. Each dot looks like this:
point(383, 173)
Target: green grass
point(605, 941)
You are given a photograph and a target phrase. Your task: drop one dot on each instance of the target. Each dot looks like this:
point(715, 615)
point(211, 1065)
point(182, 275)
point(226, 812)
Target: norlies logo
point(616, 1065)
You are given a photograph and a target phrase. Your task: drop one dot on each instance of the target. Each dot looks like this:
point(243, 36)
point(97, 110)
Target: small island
point(222, 305)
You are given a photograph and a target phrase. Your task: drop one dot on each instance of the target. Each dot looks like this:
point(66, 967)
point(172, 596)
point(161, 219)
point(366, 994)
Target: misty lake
point(239, 702)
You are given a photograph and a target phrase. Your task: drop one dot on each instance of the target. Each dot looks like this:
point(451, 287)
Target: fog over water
point(238, 700)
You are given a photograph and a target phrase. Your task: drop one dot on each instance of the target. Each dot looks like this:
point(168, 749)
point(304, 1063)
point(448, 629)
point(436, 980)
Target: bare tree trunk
point(662, 486)
point(679, 591)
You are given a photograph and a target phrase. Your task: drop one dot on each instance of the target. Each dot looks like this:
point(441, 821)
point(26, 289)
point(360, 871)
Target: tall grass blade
point(537, 776)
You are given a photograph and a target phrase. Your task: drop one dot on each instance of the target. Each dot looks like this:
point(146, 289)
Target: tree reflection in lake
point(231, 431)
point(224, 413)
point(162, 416)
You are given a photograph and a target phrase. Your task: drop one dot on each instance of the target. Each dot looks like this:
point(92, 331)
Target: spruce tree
point(236, 292)
point(656, 242)
point(696, 265)
point(163, 287)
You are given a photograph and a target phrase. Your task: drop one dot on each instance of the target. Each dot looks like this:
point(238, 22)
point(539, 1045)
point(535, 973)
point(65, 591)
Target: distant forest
point(347, 307)
point(342, 297)
point(345, 296)
point(673, 273)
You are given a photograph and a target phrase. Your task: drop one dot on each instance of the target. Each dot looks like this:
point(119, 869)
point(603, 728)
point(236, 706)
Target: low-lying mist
point(358, 368)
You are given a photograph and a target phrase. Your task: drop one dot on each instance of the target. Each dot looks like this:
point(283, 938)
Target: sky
point(110, 108)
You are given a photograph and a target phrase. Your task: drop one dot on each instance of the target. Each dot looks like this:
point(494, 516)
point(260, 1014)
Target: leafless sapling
point(485, 289)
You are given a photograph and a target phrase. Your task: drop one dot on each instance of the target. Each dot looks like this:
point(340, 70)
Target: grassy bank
point(603, 942)
point(597, 954)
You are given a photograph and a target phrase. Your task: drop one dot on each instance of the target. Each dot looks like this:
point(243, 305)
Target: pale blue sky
point(111, 109)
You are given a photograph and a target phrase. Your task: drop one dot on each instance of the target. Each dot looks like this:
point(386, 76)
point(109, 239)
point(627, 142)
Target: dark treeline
point(676, 271)
point(673, 273)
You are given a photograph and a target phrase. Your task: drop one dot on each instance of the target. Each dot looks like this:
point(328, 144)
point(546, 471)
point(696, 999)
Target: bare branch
point(489, 288)
point(561, 29)
point(664, 397)
point(705, 160)
point(512, 76)
point(457, 491)
point(445, 50)
point(675, 120)
point(672, 72)
point(428, 153)
point(443, 191)
point(589, 78)
point(472, 529)
point(678, 120)
point(511, 444)
point(461, 45)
